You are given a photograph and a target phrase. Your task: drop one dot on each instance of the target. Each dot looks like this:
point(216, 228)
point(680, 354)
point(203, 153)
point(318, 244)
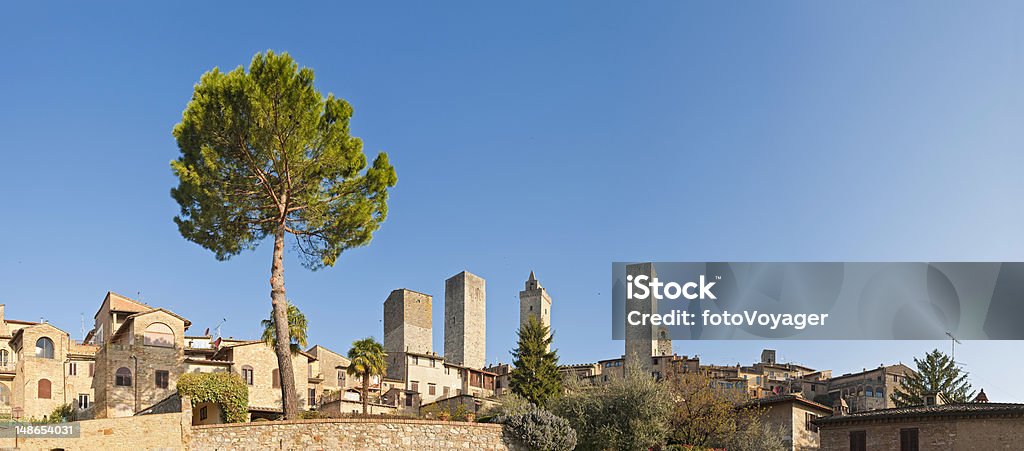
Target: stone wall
point(146, 432)
point(350, 434)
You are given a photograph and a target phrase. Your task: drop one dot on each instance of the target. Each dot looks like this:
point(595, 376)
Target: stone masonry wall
point(351, 434)
point(958, 435)
point(147, 432)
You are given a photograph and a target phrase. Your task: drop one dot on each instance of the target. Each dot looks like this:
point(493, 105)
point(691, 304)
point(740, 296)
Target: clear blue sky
point(769, 131)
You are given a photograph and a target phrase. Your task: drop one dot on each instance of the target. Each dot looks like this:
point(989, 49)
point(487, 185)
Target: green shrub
point(61, 414)
point(508, 405)
point(312, 415)
point(226, 389)
point(539, 429)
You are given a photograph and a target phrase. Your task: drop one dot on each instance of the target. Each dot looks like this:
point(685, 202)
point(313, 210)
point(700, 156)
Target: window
point(159, 334)
point(869, 392)
point(44, 389)
point(247, 374)
point(123, 377)
point(858, 441)
point(341, 377)
point(415, 360)
point(72, 369)
point(312, 397)
point(44, 348)
point(446, 391)
point(4, 357)
point(880, 392)
point(408, 400)
point(5, 395)
point(276, 376)
point(808, 417)
point(203, 413)
point(83, 401)
point(908, 439)
point(654, 360)
point(414, 386)
point(162, 378)
point(92, 369)
point(431, 389)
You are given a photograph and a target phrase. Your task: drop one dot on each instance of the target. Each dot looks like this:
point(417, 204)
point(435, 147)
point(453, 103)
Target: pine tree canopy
point(936, 373)
point(535, 377)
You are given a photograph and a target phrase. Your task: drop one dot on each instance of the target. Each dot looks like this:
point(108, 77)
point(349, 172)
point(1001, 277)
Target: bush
point(61, 414)
point(507, 406)
point(539, 429)
point(312, 415)
point(226, 389)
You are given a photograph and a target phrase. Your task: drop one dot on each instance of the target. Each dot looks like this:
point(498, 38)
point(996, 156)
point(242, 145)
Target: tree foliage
point(262, 149)
point(628, 413)
point(367, 360)
point(701, 415)
point(936, 373)
point(223, 388)
point(297, 327)
point(535, 377)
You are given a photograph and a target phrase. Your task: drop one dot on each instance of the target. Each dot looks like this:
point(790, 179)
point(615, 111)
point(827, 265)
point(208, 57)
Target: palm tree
point(296, 328)
point(367, 360)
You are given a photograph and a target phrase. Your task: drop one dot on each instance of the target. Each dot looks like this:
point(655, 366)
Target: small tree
point(936, 373)
point(629, 413)
point(297, 327)
point(367, 361)
point(264, 154)
point(535, 377)
point(701, 414)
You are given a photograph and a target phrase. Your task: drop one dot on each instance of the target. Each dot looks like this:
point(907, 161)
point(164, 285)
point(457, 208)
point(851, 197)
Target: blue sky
point(547, 137)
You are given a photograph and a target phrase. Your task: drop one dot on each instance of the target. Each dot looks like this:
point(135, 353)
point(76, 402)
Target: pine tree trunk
point(282, 348)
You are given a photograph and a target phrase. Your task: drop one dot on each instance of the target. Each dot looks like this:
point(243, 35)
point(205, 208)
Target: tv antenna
point(222, 321)
point(952, 346)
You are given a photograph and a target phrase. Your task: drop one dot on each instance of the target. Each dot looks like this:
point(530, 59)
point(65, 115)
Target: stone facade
point(148, 432)
point(408, 327)
point(351, 434)
point(43, 355)
point(951, 428)
point(870, 389)
point(794, 415)
point(265, 388)
point(534, 302)
point(465, 320)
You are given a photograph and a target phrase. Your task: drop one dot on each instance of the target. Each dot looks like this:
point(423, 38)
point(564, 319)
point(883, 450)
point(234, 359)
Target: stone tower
point(465, 326)
point(535, 302)
point(645, 341)
point(407, 327)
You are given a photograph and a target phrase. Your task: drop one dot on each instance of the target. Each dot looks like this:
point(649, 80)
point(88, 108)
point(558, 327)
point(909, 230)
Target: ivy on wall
point(226, 389)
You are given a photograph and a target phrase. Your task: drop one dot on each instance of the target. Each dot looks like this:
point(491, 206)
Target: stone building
point(421, 376)
point(934, 426)
point(465, 320)
point(534, 302)
point(795, 416)
point(869, 389)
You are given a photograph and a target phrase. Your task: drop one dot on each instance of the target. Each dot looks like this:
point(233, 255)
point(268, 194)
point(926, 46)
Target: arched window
point(159, 334)
point(5, 357)
point(880, 392)
point(44, 389)
point(123, 377)
point(5, 396)
point(276, 374)
point(869, 392)
point(44, 348)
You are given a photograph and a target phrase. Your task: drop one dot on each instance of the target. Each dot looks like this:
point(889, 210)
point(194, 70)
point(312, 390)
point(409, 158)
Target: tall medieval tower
point(465, 325)
point(407, 327)
point(645, 341)
point(535, 302)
